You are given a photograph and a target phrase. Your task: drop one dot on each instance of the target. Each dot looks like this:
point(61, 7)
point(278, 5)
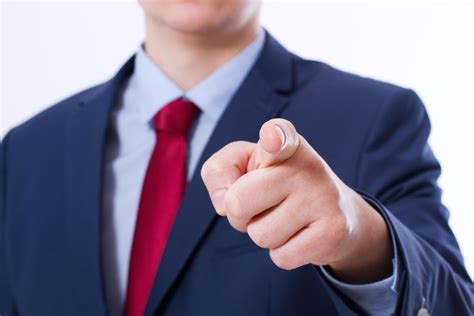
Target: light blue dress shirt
point(130, 144)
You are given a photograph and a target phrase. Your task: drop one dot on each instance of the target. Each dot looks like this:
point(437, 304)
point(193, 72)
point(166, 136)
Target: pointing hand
point(287, 198)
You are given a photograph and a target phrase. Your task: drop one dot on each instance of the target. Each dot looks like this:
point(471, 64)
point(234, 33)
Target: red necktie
point(161, 194)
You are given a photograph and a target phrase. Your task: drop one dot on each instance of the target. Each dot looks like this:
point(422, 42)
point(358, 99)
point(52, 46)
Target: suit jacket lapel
point(260, 98)
point(84, 156)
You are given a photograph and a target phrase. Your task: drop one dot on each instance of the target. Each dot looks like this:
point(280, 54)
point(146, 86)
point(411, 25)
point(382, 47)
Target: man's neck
point(187, 59)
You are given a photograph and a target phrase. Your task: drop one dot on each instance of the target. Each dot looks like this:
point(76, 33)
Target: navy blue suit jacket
point(372, 134)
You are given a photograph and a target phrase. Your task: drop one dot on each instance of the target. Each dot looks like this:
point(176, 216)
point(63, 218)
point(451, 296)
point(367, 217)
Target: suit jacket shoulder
point(47, 124)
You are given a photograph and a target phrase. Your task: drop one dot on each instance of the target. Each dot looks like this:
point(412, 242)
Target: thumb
point(278, 142)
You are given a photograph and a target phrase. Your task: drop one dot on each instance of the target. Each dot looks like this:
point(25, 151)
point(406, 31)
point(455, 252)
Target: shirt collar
point(154, 89)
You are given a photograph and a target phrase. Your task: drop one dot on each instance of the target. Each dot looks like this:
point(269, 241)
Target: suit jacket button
point(423, 312)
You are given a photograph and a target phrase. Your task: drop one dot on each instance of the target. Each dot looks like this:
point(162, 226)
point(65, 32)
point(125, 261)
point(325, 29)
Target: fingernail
point(281, 134)
point(218, 200)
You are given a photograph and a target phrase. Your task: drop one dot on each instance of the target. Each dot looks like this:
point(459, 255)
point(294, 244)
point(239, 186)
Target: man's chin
point(189, 18)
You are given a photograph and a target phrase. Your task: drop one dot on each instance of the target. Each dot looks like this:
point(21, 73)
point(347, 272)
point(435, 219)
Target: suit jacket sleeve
point(6, 299)
point(398, 169)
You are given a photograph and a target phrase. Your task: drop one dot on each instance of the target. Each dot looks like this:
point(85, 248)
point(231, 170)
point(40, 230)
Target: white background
point(52, 49)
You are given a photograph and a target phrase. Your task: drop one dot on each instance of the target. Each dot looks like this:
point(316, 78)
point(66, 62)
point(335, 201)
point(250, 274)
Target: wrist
point(368, 253)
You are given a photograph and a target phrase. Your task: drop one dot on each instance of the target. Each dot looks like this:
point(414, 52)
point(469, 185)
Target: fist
point(288, 200)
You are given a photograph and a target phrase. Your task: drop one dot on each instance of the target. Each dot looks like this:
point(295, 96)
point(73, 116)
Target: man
point(324, 183)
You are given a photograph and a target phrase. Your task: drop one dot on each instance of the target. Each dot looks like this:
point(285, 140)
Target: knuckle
point(210, 169)
point(236, 224)
point(205, 167)
point(233, 203)
point(281, 259)
point(259, 236)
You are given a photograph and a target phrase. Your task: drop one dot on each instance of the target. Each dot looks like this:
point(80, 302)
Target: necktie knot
point(176, 117)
